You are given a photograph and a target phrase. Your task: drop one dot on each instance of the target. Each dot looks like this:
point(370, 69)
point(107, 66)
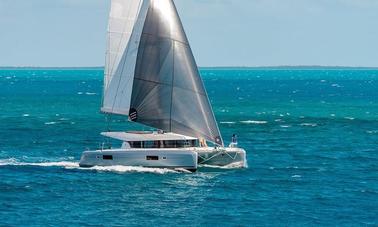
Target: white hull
point(223, 156)
point(186, 158)
point(156, 158)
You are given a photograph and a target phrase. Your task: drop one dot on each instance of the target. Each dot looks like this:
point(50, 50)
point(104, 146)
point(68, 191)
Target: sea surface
point(311, 137)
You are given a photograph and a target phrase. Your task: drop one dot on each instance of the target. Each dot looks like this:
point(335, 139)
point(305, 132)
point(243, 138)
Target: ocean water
point(311, 137)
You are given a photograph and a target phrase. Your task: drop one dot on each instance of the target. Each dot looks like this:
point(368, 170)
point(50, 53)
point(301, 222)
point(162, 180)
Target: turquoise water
point(311, 137)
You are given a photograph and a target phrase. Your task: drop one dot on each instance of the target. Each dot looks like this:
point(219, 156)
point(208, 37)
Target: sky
point(72, 33)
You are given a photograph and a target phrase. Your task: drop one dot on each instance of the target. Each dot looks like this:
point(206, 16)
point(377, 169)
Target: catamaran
point(152, 78)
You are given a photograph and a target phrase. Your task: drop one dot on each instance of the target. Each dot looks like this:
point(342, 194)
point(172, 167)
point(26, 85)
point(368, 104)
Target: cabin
point(153, 139)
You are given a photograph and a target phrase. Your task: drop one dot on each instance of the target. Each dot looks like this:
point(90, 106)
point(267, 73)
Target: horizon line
point(203, 67)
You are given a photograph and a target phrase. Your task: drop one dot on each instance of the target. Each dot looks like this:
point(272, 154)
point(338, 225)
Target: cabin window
point(107, 157)
point(169, 144)
point(152, 144)
point(136, 144)
point(152, 158)
point(184, 143)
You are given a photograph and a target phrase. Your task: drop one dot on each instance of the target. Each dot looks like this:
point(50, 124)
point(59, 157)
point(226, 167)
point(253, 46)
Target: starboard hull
point(224, 157)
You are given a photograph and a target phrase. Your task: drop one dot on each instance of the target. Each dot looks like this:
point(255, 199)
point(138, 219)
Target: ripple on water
point(51, 123)
point(372, 131)
point(309, 124)
point(228, 122)
point(253, 122)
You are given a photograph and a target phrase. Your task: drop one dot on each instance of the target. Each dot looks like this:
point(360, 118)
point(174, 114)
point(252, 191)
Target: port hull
point(154, 158)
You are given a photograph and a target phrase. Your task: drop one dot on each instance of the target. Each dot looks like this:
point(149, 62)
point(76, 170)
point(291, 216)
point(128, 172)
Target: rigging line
point(173, 79)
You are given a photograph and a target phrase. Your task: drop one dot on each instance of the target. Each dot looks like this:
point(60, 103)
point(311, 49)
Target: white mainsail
point(157, 82)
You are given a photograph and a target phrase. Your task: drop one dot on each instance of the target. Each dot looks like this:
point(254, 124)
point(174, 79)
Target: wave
point(50, 123)
point(75, 165)
point(235, 165)
point(253, 122)
point(228, 122)
point(372, 131)
point(90, 93)
point(15, 162)
point(309, 124)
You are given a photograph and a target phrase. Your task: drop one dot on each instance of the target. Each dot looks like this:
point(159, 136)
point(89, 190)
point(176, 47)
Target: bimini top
point(146, 136)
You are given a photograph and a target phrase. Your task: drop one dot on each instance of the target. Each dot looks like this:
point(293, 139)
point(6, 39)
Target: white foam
point(253, 122)
point(285, 126)
point(55, 164)
point(309, 124)
point(235, 165)
point(228, 122)
point(125, 169)
point(336, 85)
point(372, 131)
point(15, 162)
point(90, 93)
point(75, 165)
point(50, 123)
point(349, 118)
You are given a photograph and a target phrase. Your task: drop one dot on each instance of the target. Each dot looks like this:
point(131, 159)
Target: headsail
point(124, 30)
point(167, 90)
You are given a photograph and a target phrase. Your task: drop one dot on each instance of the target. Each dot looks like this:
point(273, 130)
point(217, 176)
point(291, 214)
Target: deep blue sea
point(311, 137)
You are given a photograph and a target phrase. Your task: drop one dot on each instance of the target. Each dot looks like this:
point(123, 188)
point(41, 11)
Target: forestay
point(167, 91)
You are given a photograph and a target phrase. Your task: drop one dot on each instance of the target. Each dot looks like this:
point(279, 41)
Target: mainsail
point(157, 82)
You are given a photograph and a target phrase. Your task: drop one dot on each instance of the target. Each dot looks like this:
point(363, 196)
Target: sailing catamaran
point(152, 78)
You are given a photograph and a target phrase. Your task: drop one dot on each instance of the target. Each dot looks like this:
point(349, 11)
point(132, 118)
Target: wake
point(234, 165)
point(75, 165)
point(116, 169)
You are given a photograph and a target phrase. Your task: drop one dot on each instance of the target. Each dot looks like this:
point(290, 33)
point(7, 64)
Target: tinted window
point(136, 144)
point(107, 157)
point(152, 158)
